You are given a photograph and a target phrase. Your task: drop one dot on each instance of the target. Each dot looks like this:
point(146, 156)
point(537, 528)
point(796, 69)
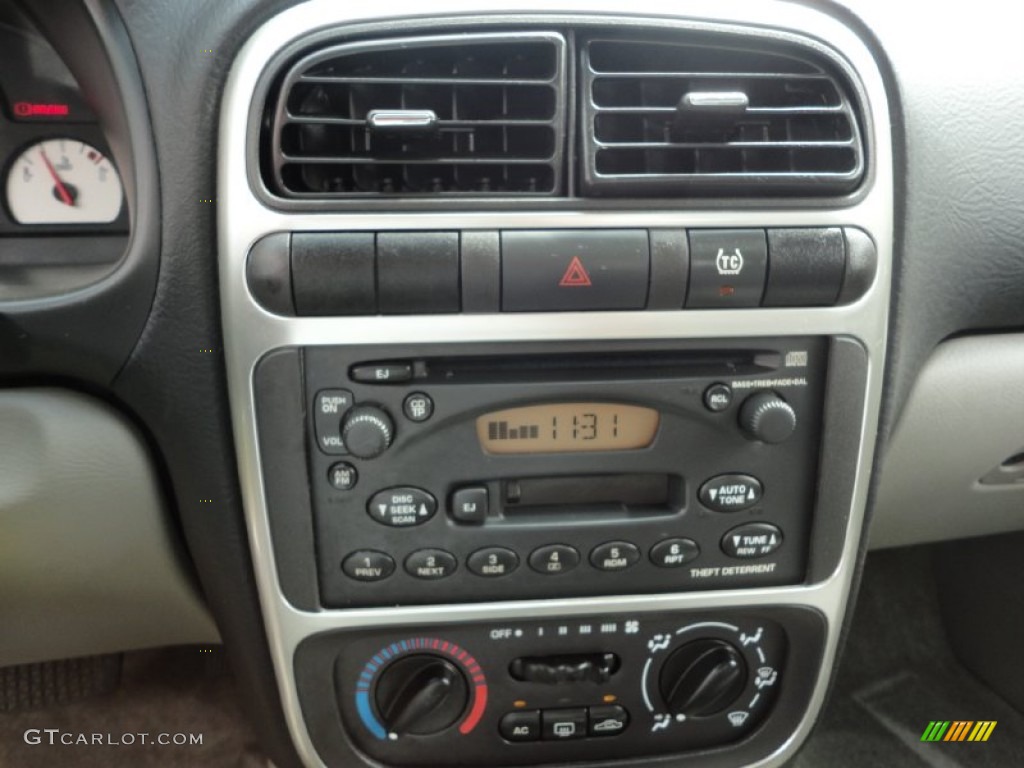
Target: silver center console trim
point(250, 332)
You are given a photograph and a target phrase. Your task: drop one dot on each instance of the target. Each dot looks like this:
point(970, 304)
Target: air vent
point(470, 115)
point(665, 118)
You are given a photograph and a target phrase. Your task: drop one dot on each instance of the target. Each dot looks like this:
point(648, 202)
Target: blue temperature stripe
point(405, 646)
point(363, 707)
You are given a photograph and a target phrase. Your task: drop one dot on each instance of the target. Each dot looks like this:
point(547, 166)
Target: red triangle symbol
point(575, 275)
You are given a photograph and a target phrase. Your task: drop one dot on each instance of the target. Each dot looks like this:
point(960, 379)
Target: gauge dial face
point(63, 181)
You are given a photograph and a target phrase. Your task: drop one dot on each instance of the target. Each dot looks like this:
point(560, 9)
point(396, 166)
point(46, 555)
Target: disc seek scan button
point(571, 270)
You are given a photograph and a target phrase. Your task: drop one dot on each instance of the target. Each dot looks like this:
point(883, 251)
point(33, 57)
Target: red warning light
point(33, 109)
point(576, 275)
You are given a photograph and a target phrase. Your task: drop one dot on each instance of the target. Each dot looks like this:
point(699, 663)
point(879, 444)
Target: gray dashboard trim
point(89, 561)
point(250, 332)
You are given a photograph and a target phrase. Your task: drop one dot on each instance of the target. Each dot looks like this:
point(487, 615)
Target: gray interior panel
point(964, 419)
point(88, 561)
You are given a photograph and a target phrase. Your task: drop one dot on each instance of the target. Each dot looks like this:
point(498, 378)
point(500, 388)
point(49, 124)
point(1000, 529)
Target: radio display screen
point(567, 427)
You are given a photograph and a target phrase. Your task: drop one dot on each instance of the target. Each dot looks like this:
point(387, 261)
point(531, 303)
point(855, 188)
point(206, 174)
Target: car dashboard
point(502, 385)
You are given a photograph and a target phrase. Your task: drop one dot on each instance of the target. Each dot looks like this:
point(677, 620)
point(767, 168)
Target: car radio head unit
point(536, 472)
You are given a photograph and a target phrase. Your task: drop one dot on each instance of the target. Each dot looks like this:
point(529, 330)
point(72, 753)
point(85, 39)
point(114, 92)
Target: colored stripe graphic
point(935, 730)
point(958, 730)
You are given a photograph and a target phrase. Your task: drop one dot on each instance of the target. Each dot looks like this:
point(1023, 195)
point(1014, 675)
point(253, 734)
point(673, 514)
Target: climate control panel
point(533, 691)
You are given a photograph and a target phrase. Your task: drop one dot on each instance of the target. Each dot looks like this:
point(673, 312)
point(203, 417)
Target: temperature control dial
point(421, 694)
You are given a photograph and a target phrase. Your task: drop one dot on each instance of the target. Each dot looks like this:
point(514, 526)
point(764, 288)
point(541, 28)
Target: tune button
point(614, 556)
point(554, 559)
point(368, 565)
point(673, 553)
point(493, 562)
point(430, 564)
point(752, 540)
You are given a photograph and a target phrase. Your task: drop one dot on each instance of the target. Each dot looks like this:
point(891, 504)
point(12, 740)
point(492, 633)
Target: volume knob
point(767, 417)
point(367, 431)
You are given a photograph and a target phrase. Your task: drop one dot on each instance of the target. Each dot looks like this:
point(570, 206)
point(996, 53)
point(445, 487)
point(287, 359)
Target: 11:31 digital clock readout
point(567, 427)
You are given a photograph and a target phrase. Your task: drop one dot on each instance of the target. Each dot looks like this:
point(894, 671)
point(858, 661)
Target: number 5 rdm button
point(554, 559)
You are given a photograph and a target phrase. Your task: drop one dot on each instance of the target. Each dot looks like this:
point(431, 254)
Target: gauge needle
point(65, 196)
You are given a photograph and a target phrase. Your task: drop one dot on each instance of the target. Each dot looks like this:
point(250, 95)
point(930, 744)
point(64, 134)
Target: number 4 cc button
point(727, 268)
point(554, 559)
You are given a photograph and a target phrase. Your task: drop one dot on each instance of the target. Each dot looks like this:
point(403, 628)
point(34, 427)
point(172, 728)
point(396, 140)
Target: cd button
point(554, 559)
point(614, 556)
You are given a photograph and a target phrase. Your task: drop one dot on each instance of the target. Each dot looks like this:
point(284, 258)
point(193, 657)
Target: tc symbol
point(729, 263)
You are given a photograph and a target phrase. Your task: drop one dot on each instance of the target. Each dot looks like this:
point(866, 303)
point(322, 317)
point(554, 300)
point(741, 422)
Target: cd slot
point(605, 367)
point(573, 497)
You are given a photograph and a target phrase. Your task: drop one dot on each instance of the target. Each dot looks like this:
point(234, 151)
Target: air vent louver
point(476, 115)
point(664, 118)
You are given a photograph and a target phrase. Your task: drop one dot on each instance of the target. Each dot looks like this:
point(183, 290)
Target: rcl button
point(400, 507)
point(730, 493)
point(752, 540)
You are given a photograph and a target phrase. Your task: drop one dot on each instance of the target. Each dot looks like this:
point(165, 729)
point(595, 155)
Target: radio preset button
point(418, 407)
point(554, 559)
point(430, 564)
point(400, 507)
point(718, 397)
point(614, 556)
point(673, 553)
point(520, 726)
point(752, 540)
point(343, 476)
point(469, 505)
point(493, 562)
point(368, 565)
point(731, 493)
point(329, 405)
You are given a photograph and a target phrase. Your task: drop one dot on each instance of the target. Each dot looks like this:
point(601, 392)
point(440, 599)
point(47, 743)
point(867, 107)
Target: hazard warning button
point(569, 270)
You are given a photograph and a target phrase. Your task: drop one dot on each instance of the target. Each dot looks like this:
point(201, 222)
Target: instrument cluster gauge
point(63, 181)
